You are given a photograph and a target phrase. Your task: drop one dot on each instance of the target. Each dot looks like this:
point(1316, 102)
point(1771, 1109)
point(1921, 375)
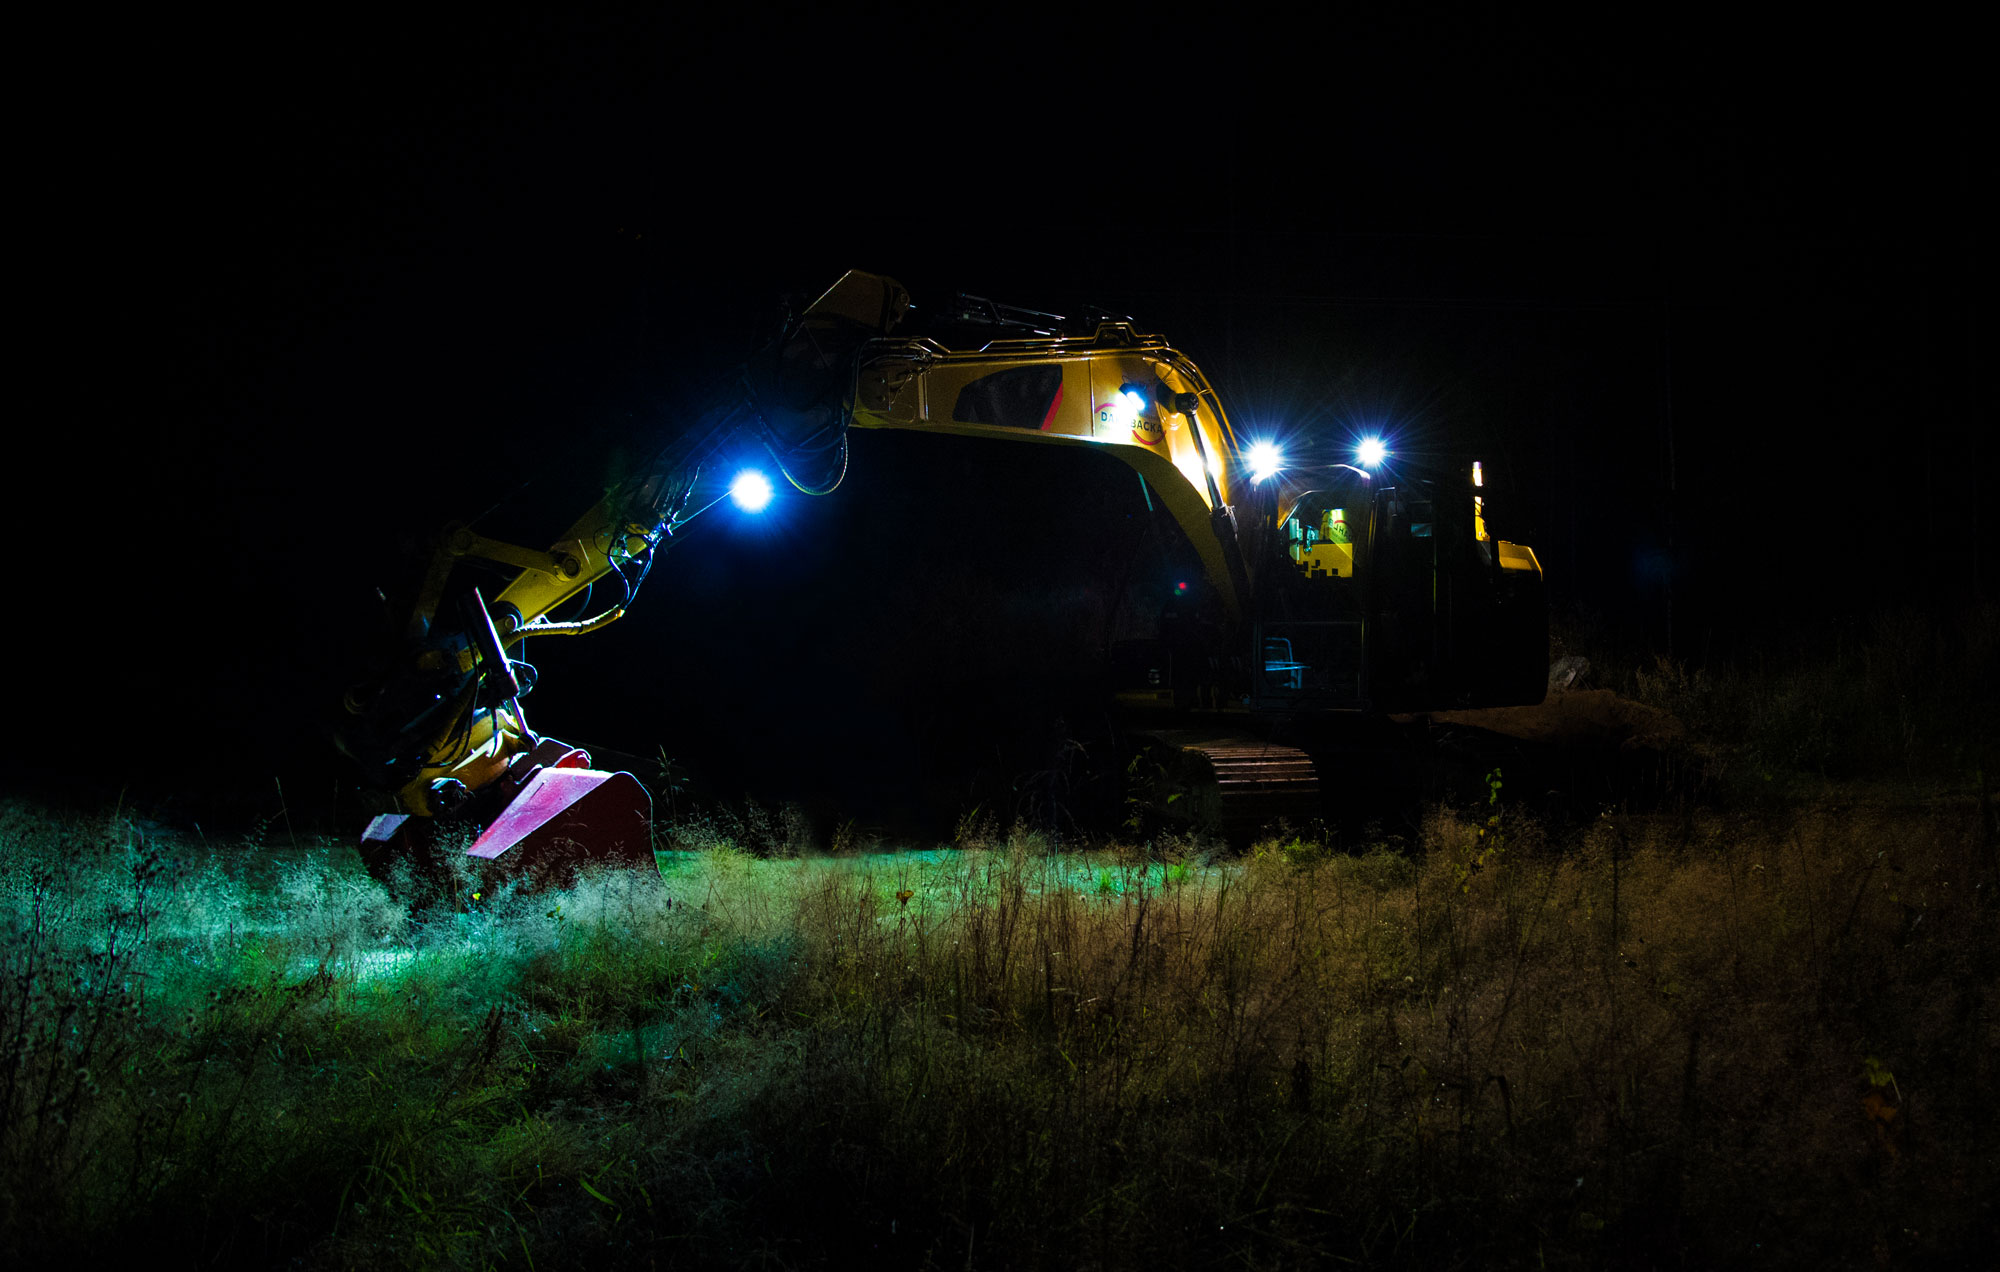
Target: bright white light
point(1265, 459)
point(751, 490)
point(1135, 399)
point(1371, 452)
point(1121, 412)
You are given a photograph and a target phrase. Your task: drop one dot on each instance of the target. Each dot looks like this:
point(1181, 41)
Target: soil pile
point(1579, 718)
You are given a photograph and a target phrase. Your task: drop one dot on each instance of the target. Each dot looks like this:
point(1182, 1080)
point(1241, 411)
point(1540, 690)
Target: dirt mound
point(1580, 718)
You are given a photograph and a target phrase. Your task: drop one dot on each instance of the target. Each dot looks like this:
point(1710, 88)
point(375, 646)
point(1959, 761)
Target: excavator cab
point(1393, 598)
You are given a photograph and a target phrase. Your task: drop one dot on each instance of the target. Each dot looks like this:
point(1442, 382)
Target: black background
point(1707, 303)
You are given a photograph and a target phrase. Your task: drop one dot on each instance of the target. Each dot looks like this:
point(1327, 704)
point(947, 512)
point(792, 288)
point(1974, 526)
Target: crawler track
point(1256, 782)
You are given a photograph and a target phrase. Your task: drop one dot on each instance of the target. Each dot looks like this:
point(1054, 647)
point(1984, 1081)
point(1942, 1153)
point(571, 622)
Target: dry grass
point(1694, 1042)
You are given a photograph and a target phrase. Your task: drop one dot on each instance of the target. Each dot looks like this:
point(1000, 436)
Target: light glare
point(1122, 411)
point(1371, 452)
point(751, 491)
point(1265, 459)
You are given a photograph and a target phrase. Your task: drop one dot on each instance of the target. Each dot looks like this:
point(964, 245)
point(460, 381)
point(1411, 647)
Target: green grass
point(1697, 1041)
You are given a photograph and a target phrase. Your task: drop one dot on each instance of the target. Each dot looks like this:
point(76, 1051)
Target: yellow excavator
point(1336, 591)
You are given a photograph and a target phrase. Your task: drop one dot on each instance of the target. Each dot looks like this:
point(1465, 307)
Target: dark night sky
point(317, 291)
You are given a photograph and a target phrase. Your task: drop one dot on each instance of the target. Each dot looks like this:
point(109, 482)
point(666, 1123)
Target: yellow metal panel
point(1335, 559)
point(1518, 556)
point(917, 386)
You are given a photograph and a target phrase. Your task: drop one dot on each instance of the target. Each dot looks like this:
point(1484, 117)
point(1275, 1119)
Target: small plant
point(1296, 850)
point(1046, 795)
point(976, 830)
point(1024, 841)
point(846, 839)
point(670, 783)
point(1487, 845)
point(1149, 792)
point(795, 832)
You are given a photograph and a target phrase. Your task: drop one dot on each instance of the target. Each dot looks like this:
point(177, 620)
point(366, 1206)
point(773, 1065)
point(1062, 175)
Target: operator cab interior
point(1309, 631)
point(1323, 528)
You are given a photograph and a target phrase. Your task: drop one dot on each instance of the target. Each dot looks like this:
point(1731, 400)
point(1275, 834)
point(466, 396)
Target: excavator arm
point(440, 722)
